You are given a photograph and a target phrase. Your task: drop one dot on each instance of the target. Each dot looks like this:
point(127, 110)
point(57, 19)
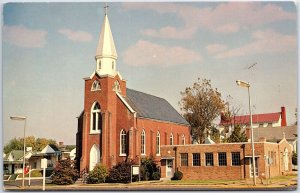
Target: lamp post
point(247, 85)
point(20, 118)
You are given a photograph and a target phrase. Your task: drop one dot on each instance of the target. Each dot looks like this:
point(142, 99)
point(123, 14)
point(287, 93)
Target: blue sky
point(48, 48)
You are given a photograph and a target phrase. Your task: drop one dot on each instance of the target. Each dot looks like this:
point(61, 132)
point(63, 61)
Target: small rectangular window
point(184, 159)
point(236, 158)
point(196, 159)
point(222, 159)
point(209, 159)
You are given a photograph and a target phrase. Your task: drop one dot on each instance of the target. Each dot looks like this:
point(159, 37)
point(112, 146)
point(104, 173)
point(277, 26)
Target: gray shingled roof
point(149, 106)
point(275, 133)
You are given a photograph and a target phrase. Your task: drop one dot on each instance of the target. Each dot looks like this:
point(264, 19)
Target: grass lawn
point(225, 182)
point(282, 178)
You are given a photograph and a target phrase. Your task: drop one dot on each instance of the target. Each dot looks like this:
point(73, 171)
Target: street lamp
point(247, 85)
point(20, 118)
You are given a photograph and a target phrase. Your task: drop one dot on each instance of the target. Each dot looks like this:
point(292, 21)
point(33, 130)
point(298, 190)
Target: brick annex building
point(118, 123)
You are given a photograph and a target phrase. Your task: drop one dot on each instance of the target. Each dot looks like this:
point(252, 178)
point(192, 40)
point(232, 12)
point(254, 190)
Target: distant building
point(13, 161)
point(275, 134)
point(276, 119)
point(50, 152)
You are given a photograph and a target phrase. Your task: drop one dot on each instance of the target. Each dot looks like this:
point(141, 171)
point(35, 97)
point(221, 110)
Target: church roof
point(152, 107)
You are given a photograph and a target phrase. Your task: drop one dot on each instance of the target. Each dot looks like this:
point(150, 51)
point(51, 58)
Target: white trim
point(171, 136)
point(121, 134)
point(96, 130)
point(126, 104)
point(97, 88)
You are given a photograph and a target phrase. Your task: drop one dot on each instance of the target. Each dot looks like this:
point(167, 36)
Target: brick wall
point(229, 171)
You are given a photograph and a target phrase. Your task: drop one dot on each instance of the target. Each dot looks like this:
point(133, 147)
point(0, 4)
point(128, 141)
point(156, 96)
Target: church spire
point(106, 54)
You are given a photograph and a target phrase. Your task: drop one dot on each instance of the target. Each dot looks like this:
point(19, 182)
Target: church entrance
point(169, 168)
point(94, 156)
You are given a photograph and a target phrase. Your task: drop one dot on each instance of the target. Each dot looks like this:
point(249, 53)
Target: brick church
point(118, 123)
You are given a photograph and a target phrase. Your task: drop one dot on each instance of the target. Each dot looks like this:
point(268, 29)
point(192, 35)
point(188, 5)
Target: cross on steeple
point(106, 7)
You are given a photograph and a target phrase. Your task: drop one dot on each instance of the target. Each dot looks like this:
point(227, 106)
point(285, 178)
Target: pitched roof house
point(275, 119)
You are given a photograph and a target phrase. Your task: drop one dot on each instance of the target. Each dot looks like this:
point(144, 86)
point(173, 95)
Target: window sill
point(96, 90)
point(95, 133)
point(123, 155)
point(158, 154)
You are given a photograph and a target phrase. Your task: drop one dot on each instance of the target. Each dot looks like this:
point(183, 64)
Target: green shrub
point(156, 176)
point(148, 168)
point(177, 175)
point(65, 172)
point(120, 173)
point(97, 175)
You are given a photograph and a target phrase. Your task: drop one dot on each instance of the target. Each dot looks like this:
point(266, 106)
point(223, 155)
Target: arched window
point(183, 139)
point(96, 118)
point(158, 143)
point(123, 142)
point(171, 139)
point(143, 142)
point(116, 86)
point(94, 156)
point(95, 86)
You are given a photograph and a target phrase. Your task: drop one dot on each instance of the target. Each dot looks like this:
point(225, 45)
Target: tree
point(30, 141)
point(201, 105)
point(215, 134)
point(65, 172)
point(237, 135)
point(42, 142)
point(13, 144)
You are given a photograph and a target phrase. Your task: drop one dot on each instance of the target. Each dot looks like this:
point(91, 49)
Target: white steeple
point(106, 54)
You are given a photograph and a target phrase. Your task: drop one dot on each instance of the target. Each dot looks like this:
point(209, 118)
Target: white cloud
point(24, 37)
point(215, 48)
point(145, 53)
point(224, 18)
point(264, 41)
point(77, 36)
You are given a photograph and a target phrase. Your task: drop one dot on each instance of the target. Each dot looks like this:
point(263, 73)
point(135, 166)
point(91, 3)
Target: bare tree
point(201, 105)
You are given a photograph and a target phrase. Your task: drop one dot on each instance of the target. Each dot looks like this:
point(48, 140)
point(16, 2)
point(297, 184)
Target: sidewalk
point(242, 184)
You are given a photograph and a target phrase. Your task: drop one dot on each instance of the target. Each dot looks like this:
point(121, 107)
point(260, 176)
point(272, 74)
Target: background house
point(13, 161)
point(277, 119)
